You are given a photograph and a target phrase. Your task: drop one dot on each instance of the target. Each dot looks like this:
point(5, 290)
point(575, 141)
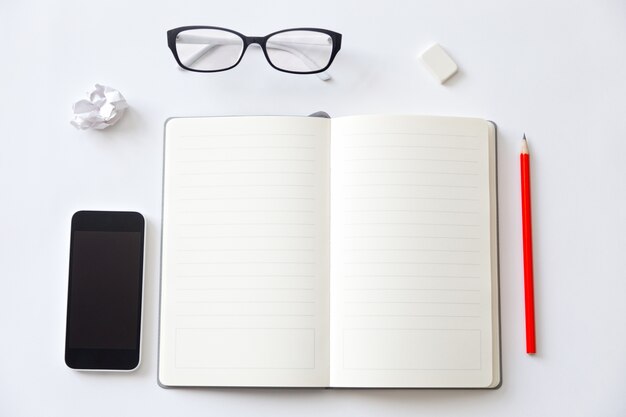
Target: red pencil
point(528, 249)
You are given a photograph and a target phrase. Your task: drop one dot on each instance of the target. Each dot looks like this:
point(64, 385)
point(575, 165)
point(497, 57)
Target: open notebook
point(308, 252)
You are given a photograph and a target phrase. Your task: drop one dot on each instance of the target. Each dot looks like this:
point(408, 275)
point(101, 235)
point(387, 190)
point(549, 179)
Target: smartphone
point(105, 292)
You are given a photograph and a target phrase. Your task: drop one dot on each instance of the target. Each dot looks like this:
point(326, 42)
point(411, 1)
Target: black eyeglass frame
point(249, 40)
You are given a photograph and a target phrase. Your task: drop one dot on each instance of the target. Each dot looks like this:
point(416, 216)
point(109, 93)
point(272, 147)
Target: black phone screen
point(105, 285)
point(106, 272)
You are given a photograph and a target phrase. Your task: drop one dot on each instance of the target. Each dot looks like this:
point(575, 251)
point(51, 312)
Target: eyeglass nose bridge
point(259, 40)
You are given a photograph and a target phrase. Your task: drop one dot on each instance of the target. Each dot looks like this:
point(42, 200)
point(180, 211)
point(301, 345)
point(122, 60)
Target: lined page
point(412, 252)
point(245, 263)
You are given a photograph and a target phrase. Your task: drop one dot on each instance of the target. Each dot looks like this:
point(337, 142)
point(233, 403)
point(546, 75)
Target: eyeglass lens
point(208, 49)
point(300, 50)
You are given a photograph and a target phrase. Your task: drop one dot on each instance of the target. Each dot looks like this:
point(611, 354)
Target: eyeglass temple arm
point(216, 41)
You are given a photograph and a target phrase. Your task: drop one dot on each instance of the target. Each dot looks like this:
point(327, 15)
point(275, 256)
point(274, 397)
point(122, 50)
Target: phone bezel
point(106, 359)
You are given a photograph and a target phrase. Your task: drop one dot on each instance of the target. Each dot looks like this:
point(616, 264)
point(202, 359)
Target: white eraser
point(439, 63)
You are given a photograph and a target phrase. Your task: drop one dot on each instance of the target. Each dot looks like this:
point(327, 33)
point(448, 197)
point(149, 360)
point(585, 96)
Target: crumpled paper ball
point(104, 107)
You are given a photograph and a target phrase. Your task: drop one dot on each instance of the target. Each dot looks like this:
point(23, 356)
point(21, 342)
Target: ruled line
point(411, 276)
point(410, 185)
point(246, 289)
point(412, 328)
point(246, 276)
point(247, 224)
point(247, 172)
point(245, 302)
point(409, 172)
point(411, 315)
point(409, 211)
point(246, 160)
point(411, 263)
point(242, 198)
point(244, 250)
point(408, 224)
point(408, 302)
point(245, 315)
point(409, 237)
point(410, 289)
point(410, 198)
point(456, 148)
point(246, 262)
point(245, 211)
point(469, 161)
point(246, 185)
point(251, 135)
point(264, 236)
point(235, 249)
point(413, 250)
point(243, 147)
point(408, 134)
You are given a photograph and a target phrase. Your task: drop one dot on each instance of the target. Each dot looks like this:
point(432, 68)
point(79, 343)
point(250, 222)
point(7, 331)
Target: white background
point(555, 70)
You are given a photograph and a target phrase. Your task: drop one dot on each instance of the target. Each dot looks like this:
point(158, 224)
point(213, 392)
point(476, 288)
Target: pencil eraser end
point(439, 63)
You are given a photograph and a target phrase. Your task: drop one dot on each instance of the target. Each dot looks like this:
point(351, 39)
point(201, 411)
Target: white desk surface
point(555, 70)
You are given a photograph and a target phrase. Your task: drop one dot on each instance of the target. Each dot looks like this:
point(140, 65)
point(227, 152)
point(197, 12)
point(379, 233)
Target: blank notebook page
point(412, 252)
point(245, 252)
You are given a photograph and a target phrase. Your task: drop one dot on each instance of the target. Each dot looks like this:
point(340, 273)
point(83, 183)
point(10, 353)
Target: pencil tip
point(524, 145)
point(524, 136)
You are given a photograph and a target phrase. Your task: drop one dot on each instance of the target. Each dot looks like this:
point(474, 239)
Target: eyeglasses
point(213, 49)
